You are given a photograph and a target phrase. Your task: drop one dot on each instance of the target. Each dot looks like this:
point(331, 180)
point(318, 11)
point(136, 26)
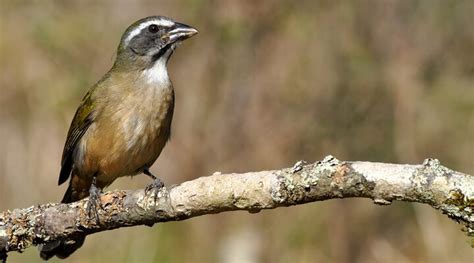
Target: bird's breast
point(132, 133)
point(145, 121)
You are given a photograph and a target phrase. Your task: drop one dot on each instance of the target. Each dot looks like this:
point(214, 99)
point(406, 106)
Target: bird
point(123, 121)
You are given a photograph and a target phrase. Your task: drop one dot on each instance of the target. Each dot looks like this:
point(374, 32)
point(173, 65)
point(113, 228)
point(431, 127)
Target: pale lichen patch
point(293, 184)
point(148, 201)
point(460, 207)
point(279, 187)
point(298, 166)
point(327, 164)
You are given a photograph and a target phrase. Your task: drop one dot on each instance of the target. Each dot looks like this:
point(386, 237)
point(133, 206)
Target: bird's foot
point(155, 186)
point(93, 204)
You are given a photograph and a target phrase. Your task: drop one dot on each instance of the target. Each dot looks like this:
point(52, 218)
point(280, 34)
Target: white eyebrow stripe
point(136, 31)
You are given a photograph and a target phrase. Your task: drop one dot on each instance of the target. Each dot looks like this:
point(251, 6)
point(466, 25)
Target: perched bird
point(124, 121)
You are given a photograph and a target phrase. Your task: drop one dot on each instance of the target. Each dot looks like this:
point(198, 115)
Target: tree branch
point(431, 183)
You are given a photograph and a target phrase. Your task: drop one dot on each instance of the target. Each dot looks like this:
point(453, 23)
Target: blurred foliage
point(264, 84)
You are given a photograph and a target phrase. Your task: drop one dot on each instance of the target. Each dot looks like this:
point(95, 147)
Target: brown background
point(264, 84)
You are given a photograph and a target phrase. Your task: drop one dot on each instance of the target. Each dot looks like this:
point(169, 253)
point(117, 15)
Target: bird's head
point(151, 39)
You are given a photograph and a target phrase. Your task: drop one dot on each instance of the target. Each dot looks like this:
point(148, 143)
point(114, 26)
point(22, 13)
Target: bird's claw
point(93, 204)
point(154, 187)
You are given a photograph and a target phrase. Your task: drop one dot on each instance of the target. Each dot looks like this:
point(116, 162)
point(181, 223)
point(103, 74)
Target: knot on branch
point(329, 178)
point(293, 185)
point(444, 189)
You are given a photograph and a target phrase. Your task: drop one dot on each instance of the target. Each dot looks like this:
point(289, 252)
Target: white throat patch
point(160, 22)
point(158, 74)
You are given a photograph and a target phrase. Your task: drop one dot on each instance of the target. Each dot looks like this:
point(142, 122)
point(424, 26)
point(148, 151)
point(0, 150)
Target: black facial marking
point(161, 52)
point(146, 41)
point(153, 42)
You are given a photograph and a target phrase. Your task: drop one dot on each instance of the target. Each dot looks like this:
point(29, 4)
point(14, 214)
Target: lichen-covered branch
point(431, 183)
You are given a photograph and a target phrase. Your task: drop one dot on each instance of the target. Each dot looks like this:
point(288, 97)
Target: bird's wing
point(83, 118)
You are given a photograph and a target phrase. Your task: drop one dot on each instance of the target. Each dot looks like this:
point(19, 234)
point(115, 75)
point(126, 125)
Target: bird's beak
point(180, 32)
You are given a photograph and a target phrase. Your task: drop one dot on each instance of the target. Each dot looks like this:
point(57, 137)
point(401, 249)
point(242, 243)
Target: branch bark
point(431, 183)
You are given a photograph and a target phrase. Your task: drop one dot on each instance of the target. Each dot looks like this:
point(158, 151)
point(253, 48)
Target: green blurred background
point(264, 84)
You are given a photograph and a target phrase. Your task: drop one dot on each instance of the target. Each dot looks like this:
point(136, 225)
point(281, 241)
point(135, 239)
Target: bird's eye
point(153, 28)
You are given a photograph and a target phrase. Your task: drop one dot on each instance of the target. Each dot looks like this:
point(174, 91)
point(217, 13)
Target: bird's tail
point(64, 248)
point(69, 196)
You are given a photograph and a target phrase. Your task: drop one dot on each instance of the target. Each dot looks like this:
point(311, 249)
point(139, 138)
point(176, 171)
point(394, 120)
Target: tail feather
point(68, 196)
point(63, 248)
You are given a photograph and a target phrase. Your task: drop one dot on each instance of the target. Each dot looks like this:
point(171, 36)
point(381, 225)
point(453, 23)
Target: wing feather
point(83, 118)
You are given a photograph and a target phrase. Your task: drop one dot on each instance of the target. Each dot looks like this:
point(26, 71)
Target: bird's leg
point(94, 200)
point(155, 186)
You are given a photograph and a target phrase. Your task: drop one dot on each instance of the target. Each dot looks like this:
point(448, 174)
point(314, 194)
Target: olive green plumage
point(124, 121)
